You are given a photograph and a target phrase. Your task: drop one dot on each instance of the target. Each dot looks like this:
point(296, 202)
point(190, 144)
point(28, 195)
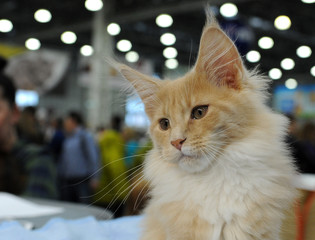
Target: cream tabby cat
point(219, 169)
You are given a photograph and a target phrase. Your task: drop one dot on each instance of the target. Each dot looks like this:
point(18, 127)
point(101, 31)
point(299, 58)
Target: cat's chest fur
point(252, 178)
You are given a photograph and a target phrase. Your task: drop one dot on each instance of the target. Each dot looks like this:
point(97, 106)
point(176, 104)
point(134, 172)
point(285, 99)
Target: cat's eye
point(164, 124)
point(199, 112)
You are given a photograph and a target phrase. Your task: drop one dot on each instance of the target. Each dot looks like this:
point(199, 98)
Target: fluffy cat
point(219, 169)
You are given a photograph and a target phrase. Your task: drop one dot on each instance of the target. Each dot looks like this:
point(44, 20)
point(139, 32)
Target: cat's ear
point(146, 87)
point(219, 59)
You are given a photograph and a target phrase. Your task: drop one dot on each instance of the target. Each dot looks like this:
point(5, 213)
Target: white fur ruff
point(251, 172)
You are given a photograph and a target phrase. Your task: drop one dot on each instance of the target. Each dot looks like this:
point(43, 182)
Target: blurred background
point(58, 50)
point(90, 136)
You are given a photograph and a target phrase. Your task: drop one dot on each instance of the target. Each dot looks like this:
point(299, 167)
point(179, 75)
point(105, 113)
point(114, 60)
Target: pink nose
point(178, 143)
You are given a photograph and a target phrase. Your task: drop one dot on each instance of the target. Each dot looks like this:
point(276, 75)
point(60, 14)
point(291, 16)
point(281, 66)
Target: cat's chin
point(194, 164)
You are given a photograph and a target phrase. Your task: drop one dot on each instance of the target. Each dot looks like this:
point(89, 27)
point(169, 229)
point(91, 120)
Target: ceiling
point(137, 21)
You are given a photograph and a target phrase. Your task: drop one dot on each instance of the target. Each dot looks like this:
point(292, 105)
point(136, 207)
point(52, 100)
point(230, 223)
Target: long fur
point(232, 179)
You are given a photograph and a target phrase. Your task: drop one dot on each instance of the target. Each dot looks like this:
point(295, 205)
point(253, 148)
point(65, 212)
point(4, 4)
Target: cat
point(219, 168)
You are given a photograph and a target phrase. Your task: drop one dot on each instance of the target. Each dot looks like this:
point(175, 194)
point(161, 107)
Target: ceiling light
point(170, 52)
point(68, 37)
point(5, 25)
point(42, 16)
point(282, 22)
point(291, 83)
point(93, 5)
point(171, 63)
point(113, 29)
point(168, 39)
point(275, 73)
point(228, 10)
point(253, 56)
point(304, 51)
point(132, 56)
point(124, 45)
point(308, 1)
point(265, 43)
point(287, 64)
point(86, 50)
point(313, 71)
point(164, 20)
point(32, 44)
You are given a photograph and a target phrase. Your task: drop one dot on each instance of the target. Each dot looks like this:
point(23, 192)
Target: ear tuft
point(146, 87)
point(218, 57)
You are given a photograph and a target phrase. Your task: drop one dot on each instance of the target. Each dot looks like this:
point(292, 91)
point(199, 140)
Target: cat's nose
point(178, 143)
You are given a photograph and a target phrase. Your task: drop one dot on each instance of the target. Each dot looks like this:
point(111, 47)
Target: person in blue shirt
point(78, 163)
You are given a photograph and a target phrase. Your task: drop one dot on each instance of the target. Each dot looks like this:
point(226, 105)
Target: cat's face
point(195, 117)
point(195, 120)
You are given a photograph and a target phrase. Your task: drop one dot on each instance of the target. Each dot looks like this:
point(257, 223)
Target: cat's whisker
point(134, 185)
point(125, 198)
point(212, 148)
point(117, 184)
point(139, 194)
point(131, 186)
point(119, 193)
point(121, 203)
point(132, 170)
point(101, 168)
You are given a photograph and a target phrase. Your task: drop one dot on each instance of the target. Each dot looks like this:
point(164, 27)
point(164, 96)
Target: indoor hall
point(166, 119)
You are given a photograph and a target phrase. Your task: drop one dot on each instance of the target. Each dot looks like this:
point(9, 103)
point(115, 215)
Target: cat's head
point(195, 117)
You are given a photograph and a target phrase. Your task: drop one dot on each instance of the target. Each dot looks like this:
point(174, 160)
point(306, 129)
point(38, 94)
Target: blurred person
point(131, 145)
point(99, 131)
point(79, 161)
point(296, 146)
point(28, 127)
point(114, 184)
point(25, 169)
point(49, 130)
point(58, 136)
point(308, 144)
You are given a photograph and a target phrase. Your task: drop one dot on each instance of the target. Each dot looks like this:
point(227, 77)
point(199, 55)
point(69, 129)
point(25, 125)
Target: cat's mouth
point(193, 163)
point(186, 157)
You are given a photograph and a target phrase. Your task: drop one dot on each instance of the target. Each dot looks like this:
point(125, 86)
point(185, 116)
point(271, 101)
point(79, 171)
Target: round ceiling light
point(42, 16)
point(253, 56)
point(32, 44)
point(124, 45)
point(113, 29)
point(168, 39)
point(275, 73)
point(304, 51)
point(287, 63)
point(228, 10)
point(86, 50)
point(265, 42)
point(68, 37)
point(170, 52)
point(282, 22)
point(5, 25)
point(171, 63)
point(132, 56)
point(164, 20)
point(291, 83)
point(93, 5)
point(308, 1)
